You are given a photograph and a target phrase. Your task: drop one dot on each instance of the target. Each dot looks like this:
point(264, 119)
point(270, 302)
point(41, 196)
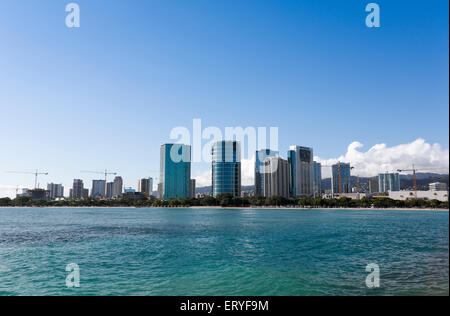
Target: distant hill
point(203, 190)
point(406, 182)
point(423, 180)
point(424, 176)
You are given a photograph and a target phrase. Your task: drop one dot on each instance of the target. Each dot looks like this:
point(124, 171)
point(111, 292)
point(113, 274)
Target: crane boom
point(414, 170)
point(36, 175)
point(339, 167)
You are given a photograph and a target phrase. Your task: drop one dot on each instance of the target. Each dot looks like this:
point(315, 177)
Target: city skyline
point(302, 173)
point(115, 90)
point(117, 188)
point(223, 153)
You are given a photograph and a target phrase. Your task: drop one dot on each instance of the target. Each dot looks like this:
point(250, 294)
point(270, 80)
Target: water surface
point(223, 252)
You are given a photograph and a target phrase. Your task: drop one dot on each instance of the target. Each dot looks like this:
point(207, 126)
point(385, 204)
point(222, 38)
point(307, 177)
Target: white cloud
point(381, 158)
point(203, 180)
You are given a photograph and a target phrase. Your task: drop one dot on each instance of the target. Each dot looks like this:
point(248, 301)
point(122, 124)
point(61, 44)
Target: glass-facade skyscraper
point(109, 190)
point(345, 177)
point(98, 189)
point(261, 156)
point(317, 179)
point(388, 182)
point(175, 171)
point(302, 171)
point(226, 168)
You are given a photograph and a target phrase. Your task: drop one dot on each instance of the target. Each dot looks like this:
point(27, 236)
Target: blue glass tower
point(317, 179)
point(388, 182)
point(340, 172)
point(226, 168)
point(302, 171)
point(175, 171)
point(261, 156)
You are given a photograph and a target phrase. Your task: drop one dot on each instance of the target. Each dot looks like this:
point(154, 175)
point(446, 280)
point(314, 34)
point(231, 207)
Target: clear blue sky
point(107, 95)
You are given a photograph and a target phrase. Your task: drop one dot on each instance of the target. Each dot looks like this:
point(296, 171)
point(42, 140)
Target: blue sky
point(108, 94)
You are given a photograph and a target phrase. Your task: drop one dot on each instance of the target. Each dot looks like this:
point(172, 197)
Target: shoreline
point(230, 208)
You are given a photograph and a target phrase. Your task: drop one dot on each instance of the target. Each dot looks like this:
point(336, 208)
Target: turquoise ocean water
point(223, 252)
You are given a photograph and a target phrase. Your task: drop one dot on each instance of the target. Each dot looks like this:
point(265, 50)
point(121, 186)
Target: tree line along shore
point(226, 200)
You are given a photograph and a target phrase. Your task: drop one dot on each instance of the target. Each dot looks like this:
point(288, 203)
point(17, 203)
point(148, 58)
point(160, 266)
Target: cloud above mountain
point(377, 159)
point(381, 158)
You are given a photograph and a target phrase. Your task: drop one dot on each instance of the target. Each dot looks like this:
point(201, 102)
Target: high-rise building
point(302, 171)
point(438, 186)
point(192, 185)
point(55, 190)
point(109, 190)
point(85, 194)
point(388, 182)
point(160, 195)
point(276, 177)
point(317, 179)
point(145, 186)
point(77, 189)
point(117, 187)
point(98, 189)
point(226, 168)
point(261, 156)
point(150, 187)
point(373, 185)
point(175, 171)
point(340, 174)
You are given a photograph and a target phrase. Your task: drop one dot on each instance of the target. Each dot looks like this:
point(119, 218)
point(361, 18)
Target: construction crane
point(36, 175)
point(358, 181)
point(414, 170)
point(105, 173)
point(339, 167)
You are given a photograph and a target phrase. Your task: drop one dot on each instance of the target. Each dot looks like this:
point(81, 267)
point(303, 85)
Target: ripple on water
point(217, 252)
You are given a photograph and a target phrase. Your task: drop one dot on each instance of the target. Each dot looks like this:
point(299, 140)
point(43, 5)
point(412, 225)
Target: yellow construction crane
point(36, 175)
point(414, 171)
point(339, 167)
point(358, 181)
